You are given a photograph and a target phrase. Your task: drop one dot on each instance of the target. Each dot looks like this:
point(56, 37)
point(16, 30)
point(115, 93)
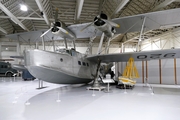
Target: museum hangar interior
point(68, 48)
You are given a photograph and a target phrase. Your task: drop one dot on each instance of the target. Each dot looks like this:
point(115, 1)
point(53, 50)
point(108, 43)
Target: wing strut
point(43, 42)
point(107, 46)
point(65, 42)
point(73, 41)
point(96, 85)
point(100, 43)
point(53, 44)
point(142, 28)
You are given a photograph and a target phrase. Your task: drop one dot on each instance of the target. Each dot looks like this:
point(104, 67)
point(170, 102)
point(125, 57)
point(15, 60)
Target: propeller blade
point(89, 25)
point(63, 30)
point(56, 15)
point(111, 23)
point(46, 32)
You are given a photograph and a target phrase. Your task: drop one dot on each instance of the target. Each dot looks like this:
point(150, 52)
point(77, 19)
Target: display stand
point(40, 85)
point(14, 75)
point(58, 99)
point(108, 81)
point(96, 86)
point(125, 92)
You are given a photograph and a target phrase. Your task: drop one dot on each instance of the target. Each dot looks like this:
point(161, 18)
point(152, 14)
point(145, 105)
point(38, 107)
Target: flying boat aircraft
point(68, 66)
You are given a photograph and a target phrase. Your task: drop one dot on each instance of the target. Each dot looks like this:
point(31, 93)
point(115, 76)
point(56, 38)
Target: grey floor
point(20, 100)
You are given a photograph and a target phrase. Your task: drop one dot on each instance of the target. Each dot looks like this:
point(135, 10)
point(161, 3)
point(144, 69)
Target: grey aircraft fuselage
point(65, 67)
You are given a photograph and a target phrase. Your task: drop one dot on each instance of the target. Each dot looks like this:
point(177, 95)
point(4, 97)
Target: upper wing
point(154, 20)
point(138, 56)
point(86, 33)
point(33, 36)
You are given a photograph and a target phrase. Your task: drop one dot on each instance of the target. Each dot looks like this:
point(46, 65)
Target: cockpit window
point(67, 51)
point(71, 52)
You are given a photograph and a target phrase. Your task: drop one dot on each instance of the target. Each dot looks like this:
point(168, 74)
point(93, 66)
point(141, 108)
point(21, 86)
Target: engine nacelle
point(100, 23)
point(55, 26)
point(58, 24)
point(59, 28)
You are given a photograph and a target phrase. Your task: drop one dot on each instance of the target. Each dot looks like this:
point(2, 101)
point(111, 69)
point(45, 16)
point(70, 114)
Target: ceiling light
point(23, 7)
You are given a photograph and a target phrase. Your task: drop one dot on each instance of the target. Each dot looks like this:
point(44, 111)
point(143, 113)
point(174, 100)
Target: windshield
point(71, 52)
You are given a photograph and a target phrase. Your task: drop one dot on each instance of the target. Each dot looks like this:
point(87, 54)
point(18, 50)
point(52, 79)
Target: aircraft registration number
point(157, 56)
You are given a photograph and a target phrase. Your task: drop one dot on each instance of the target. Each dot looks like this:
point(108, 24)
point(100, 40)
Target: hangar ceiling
point(40, 14)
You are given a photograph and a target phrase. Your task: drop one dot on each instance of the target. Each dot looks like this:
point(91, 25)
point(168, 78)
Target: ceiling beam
point(41, 8)
point(3, 30)
point(79, 5)
point(101, 3)
point(163, 4)
point(30, 15)
point(155, 36)
point(24, 18)
point(119, 7)
point(174, 31)
point(12, 17)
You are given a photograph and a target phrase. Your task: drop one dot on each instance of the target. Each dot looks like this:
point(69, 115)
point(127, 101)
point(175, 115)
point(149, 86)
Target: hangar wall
point(9, 49)
point(79, 49)
point(165, 71)
point(168, 74)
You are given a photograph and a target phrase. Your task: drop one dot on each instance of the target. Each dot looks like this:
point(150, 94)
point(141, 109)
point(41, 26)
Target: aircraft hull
point(56, 67)
point(55, 76)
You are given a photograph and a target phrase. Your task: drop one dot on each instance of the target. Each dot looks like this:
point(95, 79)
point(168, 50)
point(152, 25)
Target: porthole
point(61, 60)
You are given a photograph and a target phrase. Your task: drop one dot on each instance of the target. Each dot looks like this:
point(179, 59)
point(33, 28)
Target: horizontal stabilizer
point(18, 67)
point(6, 59)
point(18, 57)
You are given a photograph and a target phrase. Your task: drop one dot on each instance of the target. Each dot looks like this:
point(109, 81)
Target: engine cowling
point(56, 24)
point(99, 21)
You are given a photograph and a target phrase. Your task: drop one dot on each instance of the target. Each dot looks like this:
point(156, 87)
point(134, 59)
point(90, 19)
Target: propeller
point(89, 25)
point(111, 23)
point(101, 20)
point(46, 32)
point(63, 30)
point(55, 26)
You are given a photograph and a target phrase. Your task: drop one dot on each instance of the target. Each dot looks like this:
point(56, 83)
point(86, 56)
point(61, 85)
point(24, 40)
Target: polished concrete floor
point(20, 100)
